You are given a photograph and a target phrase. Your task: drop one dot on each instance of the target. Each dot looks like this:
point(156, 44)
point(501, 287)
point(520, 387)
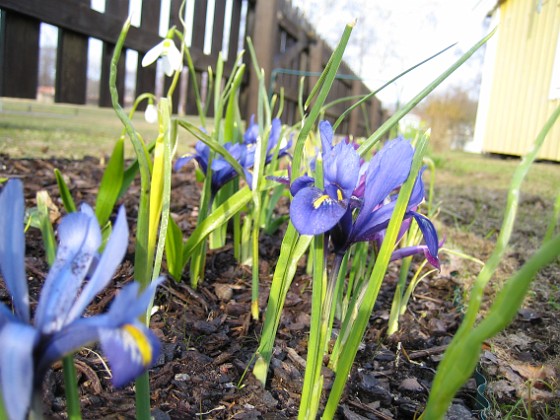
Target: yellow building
point(521, 79)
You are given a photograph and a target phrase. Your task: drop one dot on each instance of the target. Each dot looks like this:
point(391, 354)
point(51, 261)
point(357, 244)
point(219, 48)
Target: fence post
point(19, 55)
point(118, 9)
point(264, 37)
point(146, 76)
point(71, 66)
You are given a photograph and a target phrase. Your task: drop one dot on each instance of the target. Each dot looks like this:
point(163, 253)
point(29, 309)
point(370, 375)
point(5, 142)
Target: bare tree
point(451, 116)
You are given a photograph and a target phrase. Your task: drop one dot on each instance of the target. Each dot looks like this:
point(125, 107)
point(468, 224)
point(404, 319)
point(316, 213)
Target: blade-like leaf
point(111, 184)
point(64, 191)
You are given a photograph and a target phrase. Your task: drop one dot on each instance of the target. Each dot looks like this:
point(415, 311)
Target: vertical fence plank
point(174, 7)
point(233, 44)
point(149, 22)
point(265, 47)
point(117, 9)
point(197, 45)
point(71, 66)
point(218, 27)
point(19, 58)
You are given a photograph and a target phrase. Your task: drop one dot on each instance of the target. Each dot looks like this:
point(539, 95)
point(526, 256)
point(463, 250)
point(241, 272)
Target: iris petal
point(326, 133)
point(80, 237)
point(430, 237)
point(341, 167)
point(16, 375)
point(182, 161)
point(129, 304)
point(12, 246)
point(113, 255)
point(300, 183)
point(312, 212)
point(387, 170)
point(130, 351)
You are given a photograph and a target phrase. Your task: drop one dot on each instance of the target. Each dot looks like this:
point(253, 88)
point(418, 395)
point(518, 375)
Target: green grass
point(460, 169)
point(30, 129)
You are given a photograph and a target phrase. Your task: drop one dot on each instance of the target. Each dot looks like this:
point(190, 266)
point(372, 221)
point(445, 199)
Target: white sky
point(392, 36)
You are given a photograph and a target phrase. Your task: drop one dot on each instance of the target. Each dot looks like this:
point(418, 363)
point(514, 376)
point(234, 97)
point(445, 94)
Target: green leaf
point(218, 217)
point(110, 183)
point(64, 191)
point(45, 225)
point(174, 250)
point(292, 249)
point(460, 358)
point(131, 172)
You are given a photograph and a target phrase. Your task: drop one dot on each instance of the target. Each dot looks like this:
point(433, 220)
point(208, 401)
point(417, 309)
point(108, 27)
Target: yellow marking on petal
point(317, 203)
point(142, 343)
point(339, 194)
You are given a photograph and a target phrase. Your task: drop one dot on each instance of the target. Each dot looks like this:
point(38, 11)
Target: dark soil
point(209, 337)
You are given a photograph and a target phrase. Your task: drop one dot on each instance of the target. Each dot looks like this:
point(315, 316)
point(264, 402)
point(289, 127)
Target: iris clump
point(59, 327)
point(244, 153)
point(358, 198)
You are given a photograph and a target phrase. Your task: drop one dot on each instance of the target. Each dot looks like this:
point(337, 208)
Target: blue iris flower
point(222, 171)
point(244, 153)
point(368, 189)
point(59, 328)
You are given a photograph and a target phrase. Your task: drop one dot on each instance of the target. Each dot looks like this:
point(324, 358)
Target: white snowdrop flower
point(151, 114)
point(171, 57)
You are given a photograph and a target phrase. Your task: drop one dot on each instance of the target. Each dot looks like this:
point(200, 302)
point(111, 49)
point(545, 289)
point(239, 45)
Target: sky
point(391, 36)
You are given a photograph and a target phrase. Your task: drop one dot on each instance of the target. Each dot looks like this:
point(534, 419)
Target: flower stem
point(71, 388)
point(143, 397)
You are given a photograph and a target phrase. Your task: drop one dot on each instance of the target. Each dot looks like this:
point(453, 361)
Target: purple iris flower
point(368, 188)
point(222, 171)
point(244, 153)
point(59, 328)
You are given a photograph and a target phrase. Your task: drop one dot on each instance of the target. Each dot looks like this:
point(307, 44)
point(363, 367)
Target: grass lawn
point(30, 129)
point(40, 130)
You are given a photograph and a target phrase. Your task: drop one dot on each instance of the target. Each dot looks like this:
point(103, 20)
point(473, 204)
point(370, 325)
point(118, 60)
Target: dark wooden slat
point(71, 66)
point(146, 76)
point(117, 9)
point(199, 24)
point(174, 20)
point(20, 56)
point(218, 28)
point(190, 107)
point(234, 30)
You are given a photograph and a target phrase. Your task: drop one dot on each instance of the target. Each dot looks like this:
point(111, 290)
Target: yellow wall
point(519, 98)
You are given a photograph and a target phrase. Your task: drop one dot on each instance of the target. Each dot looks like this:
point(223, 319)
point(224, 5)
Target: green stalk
point(393, 324)
point(413, 283)
point(71, 388)
point(323, 312)
point(142, 269)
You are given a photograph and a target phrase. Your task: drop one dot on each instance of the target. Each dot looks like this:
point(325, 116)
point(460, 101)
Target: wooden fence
point(285, 43)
